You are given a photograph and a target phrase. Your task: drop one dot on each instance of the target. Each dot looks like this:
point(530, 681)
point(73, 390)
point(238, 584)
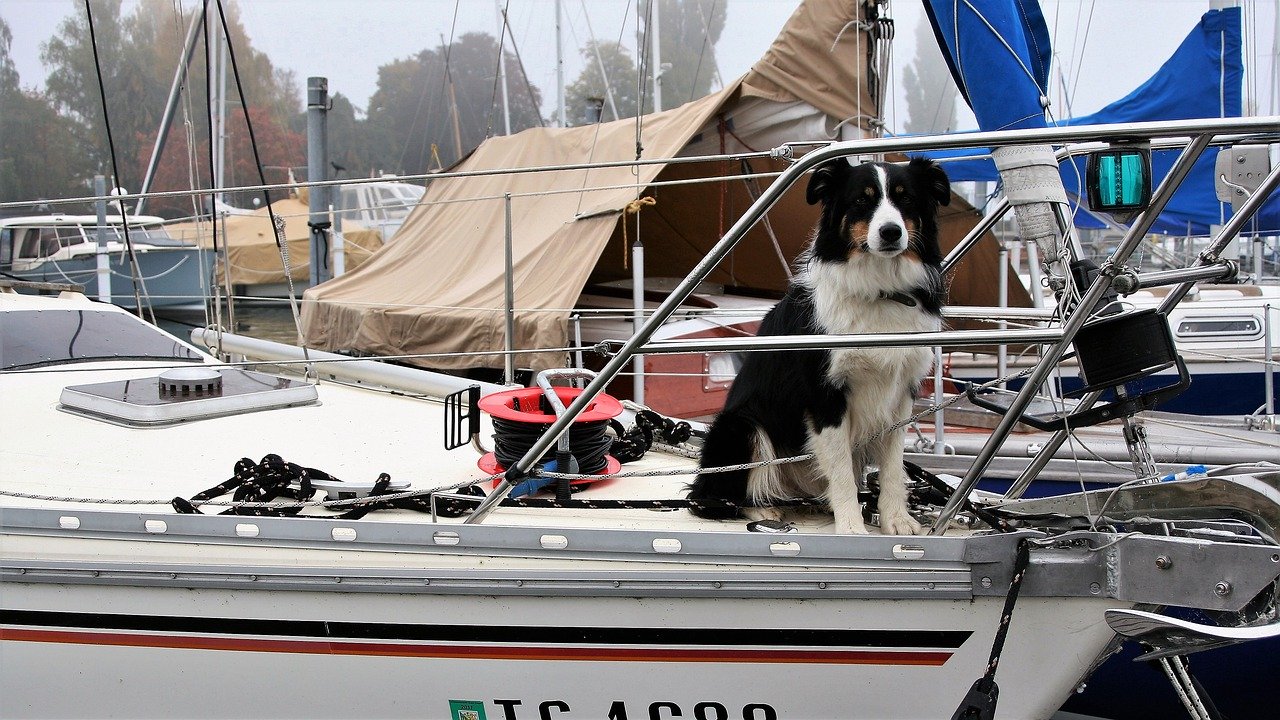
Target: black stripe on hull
point(541, 634)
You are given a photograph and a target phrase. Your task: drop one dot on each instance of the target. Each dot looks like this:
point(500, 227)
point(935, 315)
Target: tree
point(139, 54)
point(39, 154)
point(433, 108)
point(279, 148)
point(590, 85)
point(8, 73)
point(688, 32)
point(931, 94)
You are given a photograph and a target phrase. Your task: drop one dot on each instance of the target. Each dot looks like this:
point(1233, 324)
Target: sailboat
point(313, 533)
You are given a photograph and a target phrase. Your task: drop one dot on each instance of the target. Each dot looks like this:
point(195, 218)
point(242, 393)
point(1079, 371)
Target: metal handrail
point(1201, 130)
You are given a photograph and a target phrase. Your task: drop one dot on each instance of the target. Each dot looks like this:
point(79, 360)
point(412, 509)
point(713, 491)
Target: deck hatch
point(152, 402)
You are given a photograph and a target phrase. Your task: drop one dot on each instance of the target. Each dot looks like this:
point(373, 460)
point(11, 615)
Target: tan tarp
point(252, 254)
point(818, 58)
point(439, 288)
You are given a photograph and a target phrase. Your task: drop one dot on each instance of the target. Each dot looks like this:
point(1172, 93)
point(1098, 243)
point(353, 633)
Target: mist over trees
point(689, 30)
point(60, 136)
point(432, 109)
point(39, 156)
point(428, 111)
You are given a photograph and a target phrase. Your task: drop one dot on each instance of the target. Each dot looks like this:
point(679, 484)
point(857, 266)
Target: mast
point(655, 65)
point(502, 70)
point(170, 108)
point(559, 70)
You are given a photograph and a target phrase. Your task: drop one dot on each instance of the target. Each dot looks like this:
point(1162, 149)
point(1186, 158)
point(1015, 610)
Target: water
point(262, 321)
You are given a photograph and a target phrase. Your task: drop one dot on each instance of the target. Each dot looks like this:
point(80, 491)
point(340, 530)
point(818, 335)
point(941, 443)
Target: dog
point(873, 266)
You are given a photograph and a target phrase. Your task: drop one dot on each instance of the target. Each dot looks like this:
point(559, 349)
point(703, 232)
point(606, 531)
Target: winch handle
point(563, 457)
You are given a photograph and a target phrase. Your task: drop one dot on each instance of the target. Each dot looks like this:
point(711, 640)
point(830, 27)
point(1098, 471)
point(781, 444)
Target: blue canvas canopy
point(1202, 79)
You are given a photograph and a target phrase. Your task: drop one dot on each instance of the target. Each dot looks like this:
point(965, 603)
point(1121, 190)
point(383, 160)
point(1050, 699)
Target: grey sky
point(1104, 48)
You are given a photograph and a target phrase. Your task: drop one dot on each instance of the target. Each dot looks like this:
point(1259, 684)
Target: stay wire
point(277, 225)
point(138, 282)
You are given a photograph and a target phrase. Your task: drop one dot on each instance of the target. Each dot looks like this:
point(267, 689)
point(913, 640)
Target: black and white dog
point(873, 267)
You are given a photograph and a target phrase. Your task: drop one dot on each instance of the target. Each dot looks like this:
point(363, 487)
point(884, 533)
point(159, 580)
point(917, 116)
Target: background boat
point(142, 258)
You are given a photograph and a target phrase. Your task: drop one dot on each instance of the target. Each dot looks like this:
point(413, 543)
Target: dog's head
point(884, 209)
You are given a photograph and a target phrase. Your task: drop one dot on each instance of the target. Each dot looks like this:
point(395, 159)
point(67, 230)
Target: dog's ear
point(825, 179)
point(934, 177)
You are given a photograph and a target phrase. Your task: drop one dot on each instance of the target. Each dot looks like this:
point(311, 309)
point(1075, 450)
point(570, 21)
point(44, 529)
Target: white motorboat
point(139, 259)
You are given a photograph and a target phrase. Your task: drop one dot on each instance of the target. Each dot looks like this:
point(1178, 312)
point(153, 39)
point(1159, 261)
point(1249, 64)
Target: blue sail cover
point(1202, 79)
point(1002, 40)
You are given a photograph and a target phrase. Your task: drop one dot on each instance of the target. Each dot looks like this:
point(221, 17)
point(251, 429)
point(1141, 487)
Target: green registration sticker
point(466, 709)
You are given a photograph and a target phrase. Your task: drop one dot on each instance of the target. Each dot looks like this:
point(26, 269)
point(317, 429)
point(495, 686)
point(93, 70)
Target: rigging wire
point(706, 37)
point(1080, 48)
point(595, 46)
point(212, 314)
point(139, 285)
point(498, 77)
point(528, 86)
point(277, 224)
point(213, 183)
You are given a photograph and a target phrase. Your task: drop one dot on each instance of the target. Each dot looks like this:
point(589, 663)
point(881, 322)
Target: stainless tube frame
point(1203, 130)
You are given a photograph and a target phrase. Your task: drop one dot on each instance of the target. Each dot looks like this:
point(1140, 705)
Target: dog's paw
point(851, 528)
point(899, 524)
point(762, 513)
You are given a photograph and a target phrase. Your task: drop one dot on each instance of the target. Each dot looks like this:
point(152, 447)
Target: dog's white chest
point(883, 368)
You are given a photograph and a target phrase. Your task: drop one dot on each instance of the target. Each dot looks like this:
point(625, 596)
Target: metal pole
point(559, 69)
point(317, 165)
point(1070, 327)
point(1268, 375)
point(170, 108)
point(637, 304)
point(339, 244)
point(984, 225)
point(221, 112)
point(509, 357)
point(576, 319)
point(655, 65)
point(939, 423)
point(1232, 228)
point(104, 260)
point(502, 72)
point(1002, 351)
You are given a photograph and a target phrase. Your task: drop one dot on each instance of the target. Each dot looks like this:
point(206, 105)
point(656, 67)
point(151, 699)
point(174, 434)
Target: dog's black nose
point(891, 234)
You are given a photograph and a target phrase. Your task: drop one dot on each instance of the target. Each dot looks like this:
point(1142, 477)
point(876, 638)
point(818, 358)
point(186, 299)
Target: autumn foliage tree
point(138, 54)
point(184, 166)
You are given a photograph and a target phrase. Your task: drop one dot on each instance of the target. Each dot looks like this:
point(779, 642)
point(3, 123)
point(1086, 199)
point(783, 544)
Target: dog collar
point(899, 297)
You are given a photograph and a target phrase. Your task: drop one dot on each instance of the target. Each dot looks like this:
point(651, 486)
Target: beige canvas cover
point(818, 58)
point(438, 290)
point(252, 255)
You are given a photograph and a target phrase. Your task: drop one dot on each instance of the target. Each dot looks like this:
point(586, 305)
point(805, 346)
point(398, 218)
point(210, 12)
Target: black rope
point(631, 445)
point(588, 443)
point(271, 478)
point(980, 702)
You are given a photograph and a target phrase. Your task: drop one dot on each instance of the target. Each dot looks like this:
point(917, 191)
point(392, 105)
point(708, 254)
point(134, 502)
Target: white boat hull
point(246, 653)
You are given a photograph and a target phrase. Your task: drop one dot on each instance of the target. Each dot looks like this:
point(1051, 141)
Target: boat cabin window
point(34, 338)
point(6, 247)
point(1212, 328)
